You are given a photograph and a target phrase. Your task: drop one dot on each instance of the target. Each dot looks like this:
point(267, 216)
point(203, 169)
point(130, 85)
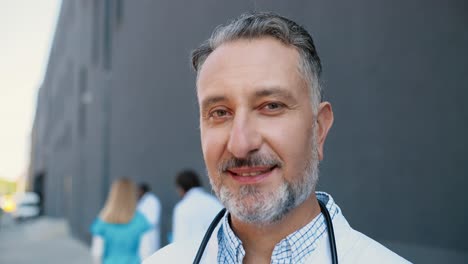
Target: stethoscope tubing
point(219, 216)
point(207, 236)
point(331, 232)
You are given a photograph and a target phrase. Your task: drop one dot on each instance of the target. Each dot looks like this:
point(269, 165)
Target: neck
point(259, 240)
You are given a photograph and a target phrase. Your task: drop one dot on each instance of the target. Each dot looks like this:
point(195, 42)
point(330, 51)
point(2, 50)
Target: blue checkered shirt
point(292, 249)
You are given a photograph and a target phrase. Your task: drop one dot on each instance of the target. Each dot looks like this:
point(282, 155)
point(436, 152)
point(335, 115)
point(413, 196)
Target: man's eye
point(273, 106)
point(219, 113)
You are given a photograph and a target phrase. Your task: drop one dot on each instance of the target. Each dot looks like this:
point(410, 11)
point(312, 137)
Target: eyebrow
point(211, 100)
point(275, 92)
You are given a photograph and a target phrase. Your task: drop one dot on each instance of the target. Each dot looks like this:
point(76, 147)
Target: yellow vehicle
point(8, 204)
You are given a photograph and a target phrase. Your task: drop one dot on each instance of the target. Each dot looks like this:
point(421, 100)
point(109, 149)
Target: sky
point(26, 30)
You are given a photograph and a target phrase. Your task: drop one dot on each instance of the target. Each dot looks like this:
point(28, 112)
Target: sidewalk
point(43, 240)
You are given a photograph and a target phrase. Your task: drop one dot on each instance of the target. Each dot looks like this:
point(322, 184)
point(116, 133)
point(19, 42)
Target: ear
point(324, 122)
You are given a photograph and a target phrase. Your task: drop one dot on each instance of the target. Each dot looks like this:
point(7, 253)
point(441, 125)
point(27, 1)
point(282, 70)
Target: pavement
point(41, 240)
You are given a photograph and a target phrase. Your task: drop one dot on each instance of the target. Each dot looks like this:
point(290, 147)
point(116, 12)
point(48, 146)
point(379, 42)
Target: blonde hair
point(121, 202)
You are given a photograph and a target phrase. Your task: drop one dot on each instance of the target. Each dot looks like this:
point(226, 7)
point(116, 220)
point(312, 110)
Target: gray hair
point(265, 24)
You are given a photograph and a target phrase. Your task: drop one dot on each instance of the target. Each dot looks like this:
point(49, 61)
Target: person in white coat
point(195, 211)
point(150, 206)
point(263, 126)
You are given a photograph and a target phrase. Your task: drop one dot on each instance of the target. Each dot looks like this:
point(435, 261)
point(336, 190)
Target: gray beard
point(270, 207)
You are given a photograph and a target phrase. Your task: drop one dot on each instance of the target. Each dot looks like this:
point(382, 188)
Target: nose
point(244, 137)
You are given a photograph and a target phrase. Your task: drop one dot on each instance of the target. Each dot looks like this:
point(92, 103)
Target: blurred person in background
point(150, 206)
point(195, 211)
point(118, 230)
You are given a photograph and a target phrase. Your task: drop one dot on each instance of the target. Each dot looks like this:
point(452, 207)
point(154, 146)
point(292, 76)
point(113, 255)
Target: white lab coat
point(150, 206)
point(353, 247)
point(193, 214)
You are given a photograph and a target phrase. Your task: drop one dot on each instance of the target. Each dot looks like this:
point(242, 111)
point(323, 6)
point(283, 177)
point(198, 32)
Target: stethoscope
point(219, 216)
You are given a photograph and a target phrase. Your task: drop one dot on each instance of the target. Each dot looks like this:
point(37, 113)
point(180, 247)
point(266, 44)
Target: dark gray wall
point(395, 72)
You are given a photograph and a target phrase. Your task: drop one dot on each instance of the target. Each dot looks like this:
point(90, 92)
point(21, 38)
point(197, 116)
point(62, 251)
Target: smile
point(250, 175)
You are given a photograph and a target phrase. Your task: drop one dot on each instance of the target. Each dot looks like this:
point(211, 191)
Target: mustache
point(252, 160)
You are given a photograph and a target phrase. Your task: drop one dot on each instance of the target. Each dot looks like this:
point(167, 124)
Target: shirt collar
point(293, 248)
point(230, 244)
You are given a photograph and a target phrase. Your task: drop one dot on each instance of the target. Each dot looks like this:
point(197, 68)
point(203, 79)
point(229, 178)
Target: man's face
point(257, 128)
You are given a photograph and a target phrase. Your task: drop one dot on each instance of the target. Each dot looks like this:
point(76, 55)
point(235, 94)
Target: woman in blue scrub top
point(119, 228)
